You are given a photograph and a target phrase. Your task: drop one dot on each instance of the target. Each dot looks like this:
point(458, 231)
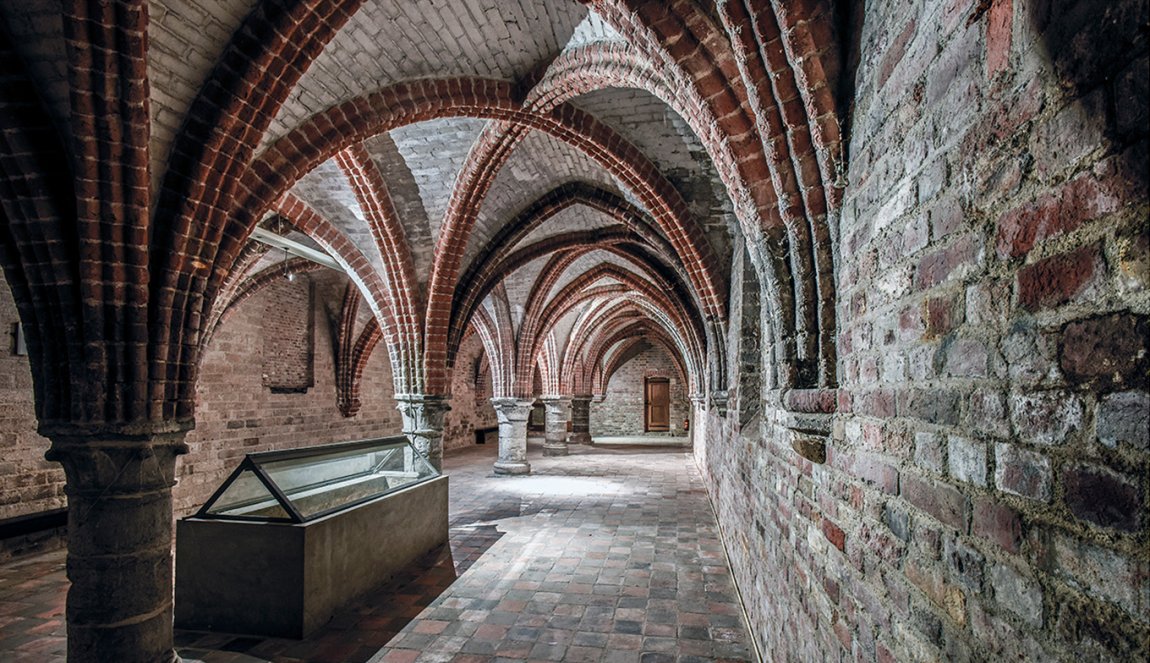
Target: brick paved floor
point(609, 554)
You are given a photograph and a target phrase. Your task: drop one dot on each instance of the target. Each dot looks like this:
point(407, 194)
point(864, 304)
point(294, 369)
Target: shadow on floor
point(358, 631)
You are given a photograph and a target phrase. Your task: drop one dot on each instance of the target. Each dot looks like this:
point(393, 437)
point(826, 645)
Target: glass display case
point(290, 536)
point(303, 484)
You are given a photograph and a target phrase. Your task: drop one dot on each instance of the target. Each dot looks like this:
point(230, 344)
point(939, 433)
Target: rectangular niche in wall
point(289, 337)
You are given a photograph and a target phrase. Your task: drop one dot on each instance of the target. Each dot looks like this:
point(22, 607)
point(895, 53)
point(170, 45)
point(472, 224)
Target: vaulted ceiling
point(548, 173)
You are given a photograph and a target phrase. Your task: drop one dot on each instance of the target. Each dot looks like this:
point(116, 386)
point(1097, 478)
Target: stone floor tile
point(607, 555)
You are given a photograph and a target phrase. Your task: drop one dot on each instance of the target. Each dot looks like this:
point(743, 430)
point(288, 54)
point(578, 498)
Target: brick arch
point(581, 334)
point(494, 259)
point(253, 76)
point(548, 363)
point(355, 265)
point(498, 338)
point(633, 337)
point(352, 352)
point(374, 199)
point(37, 210)
point(491, 151)
point(587, 339)
point(533, 319)
point(255, 284)
point(248, 259)
point(797, 266)
point(337, 128)
point(544, 316)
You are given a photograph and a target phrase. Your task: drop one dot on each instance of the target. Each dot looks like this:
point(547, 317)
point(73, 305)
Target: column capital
point(556, 401)
point(111, 464)
point(512, 409)
point(423, 416)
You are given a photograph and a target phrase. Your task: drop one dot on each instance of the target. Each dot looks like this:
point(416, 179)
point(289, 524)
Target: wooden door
point(658, 405)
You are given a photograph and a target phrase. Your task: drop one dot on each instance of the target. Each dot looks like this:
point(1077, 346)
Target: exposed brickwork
point(984, 491)
point(30, 484)
point(236, 414)
point(471, 393)
point(620, 412)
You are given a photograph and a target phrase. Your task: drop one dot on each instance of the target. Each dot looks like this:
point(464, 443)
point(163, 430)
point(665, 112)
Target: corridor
point(609, 554)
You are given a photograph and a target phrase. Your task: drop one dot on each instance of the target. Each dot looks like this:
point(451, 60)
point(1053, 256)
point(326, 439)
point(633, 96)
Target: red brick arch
point(541, 317)
point(259, 67)
point(357, 267)
point(627, 338)
point(399, 268)
point(255, 284)
point(495, 260)
point(770, 137)
point(339, 127)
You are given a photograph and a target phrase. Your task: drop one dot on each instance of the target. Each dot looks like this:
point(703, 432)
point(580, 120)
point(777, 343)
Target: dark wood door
point(658, 404)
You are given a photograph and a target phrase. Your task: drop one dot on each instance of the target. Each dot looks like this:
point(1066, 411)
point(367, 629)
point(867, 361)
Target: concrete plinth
point(288, 579)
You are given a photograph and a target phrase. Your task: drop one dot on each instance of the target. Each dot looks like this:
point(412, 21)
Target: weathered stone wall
point(621, 410)
point(470, 398)
point(985, 491)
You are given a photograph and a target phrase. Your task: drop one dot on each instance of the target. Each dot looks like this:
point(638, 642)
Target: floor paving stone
point(609, 554)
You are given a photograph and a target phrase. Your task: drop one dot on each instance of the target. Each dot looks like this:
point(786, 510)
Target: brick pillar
point(512, 414)
point(119, 488)
point(581, 420)
point(423, 424)
point(555, 437)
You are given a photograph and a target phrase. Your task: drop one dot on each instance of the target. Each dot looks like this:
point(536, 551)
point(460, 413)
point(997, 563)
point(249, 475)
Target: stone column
point(698, 420)
point(423, 424)
point(581, 419)
point(119, 487)
point(555, 437)
point(512, 414)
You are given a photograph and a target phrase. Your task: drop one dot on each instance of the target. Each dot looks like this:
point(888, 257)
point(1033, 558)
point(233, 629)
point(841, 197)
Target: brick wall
point(289, 338)
point(237, 415)
point(28, 483)
point(621, 410)
point(470, 402)
point(985, 491)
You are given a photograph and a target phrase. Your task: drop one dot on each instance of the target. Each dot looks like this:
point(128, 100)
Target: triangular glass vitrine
point(299, 485)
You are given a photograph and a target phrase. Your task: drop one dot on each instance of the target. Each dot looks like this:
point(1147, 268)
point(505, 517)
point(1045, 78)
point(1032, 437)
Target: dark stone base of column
point(512, 468)
point(555, 450)
point(581, 438)
point(149, 641)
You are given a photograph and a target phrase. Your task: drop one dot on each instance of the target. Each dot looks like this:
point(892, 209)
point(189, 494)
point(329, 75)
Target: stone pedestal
point(512, 414)
point(555, 435)
point(119, 489)
point(423, 424)
point(581, 420)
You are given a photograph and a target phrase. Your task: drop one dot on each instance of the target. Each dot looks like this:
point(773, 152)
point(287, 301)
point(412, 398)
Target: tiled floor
point(609, 554)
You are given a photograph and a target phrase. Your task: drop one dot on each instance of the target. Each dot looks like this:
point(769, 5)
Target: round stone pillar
point(512, 414)
point(423, 424)
point(555, 435)
point(119, 488)
point(581, 420)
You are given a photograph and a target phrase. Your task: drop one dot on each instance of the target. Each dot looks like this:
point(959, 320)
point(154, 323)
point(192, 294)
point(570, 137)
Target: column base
point(555, 450)
point(581, 438)
point(510, 468)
